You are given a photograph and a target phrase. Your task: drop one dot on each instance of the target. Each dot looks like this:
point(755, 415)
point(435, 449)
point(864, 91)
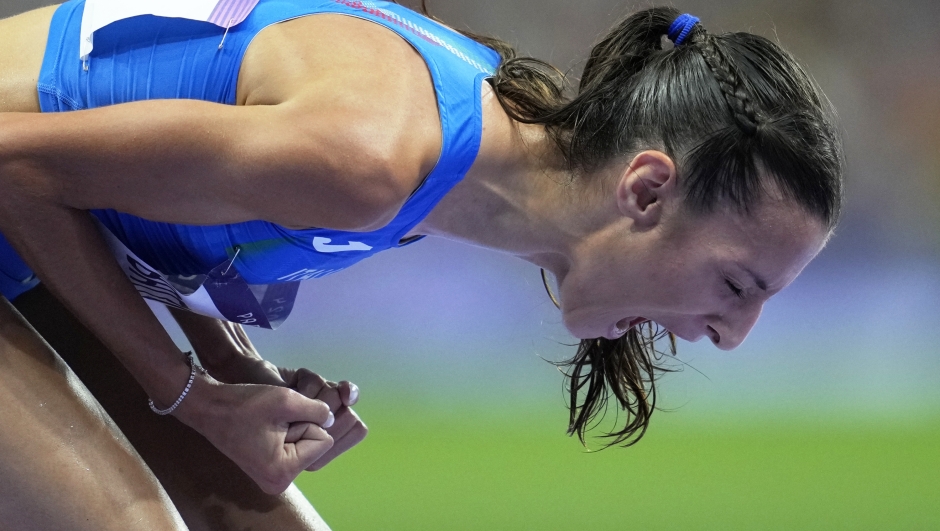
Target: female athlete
point(222, 156)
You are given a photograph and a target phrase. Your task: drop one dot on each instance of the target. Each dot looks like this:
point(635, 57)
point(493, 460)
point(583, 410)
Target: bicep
point(194, 162)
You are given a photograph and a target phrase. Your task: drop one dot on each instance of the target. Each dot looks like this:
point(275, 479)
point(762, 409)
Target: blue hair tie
point(681, 27)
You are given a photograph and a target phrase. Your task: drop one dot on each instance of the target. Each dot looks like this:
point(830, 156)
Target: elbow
point(22, 176)
point(21, 180)
point(358, 185)
point(374, 208)
point(7, 160)
point(378, 196)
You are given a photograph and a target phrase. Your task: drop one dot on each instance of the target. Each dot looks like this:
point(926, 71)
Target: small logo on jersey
point(323, 245)
point(308, 274)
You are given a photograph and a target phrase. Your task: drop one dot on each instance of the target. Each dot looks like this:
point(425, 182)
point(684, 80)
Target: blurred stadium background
point(828, 417)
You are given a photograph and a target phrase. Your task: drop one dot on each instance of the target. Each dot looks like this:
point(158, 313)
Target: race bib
point(222, 293)
point(100, 13)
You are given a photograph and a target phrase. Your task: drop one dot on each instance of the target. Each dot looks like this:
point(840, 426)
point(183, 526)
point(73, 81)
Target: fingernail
point(353, 394)
point(329, 421)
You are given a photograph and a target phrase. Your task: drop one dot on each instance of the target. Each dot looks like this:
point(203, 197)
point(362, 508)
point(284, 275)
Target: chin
point(595, 330)
point(589, 332)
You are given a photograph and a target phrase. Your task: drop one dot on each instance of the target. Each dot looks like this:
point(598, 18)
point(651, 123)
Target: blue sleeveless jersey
point(149, 57)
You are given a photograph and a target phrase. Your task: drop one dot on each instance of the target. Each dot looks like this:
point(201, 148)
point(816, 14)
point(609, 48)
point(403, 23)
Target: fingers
point(348, 431)
point(313, 385)
point(309, 444)
point(348, 393)
point(312, 408)
point(305, 439)
point(310, 384)
point(296, 430)
point(272, 433)
point(288, 375)
point(299, 409)
point(313, 443)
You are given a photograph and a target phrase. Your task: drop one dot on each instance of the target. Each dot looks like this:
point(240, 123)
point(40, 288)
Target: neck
point(517, 198)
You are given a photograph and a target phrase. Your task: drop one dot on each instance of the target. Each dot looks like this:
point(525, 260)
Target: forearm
point(66, 251)
point(143, 158)
point(216, 342)
point(272, 433)
point(201, 163)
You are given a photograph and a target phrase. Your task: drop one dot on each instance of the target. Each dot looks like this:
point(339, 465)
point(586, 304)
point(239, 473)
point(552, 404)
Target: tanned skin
point(283, 154)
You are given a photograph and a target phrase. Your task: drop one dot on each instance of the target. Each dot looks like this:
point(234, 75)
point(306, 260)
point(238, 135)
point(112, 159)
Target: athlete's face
point(697, 276)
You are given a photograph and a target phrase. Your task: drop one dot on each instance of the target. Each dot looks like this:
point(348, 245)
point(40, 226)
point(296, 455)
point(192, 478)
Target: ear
point(645, 185)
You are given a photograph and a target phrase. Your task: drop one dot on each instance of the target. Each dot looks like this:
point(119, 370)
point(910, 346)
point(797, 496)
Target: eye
point(738, 292)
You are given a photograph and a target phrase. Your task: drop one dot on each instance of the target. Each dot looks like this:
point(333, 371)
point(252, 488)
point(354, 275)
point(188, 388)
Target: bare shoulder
point(23, 41)
point(336, 126)
point(361, 78)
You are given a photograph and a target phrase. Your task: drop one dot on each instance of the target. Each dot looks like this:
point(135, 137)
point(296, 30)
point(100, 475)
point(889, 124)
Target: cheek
point(678, 290)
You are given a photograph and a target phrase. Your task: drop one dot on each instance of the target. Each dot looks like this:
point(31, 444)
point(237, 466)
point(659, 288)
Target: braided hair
point(742, 108)
point(736, 113)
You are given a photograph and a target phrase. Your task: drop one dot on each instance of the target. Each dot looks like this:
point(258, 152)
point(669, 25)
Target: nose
point(730, 330)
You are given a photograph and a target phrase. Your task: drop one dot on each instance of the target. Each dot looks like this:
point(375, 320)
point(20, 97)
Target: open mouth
point(638, 321)
point(627, 324)
point(623, 326)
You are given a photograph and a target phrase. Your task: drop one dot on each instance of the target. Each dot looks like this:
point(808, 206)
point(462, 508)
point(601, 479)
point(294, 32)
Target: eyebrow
point(757, 279)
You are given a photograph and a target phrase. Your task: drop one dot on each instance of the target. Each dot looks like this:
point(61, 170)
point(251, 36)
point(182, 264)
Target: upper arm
point(344, 152)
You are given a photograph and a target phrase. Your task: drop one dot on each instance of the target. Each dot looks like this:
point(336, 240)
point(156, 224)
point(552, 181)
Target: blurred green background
point(828, 417)
point(516, 471)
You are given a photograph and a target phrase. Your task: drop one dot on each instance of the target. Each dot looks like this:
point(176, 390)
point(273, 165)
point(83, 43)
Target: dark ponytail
point(736, 113)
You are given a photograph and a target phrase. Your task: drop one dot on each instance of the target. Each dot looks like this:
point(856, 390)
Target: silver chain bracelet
point(192, 376)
